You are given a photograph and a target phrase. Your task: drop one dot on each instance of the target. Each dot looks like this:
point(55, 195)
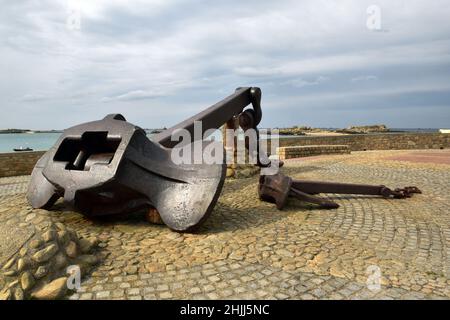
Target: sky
point(320, 63)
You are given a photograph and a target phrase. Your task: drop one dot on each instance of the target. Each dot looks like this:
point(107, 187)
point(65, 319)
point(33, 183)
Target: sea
point(41, 141)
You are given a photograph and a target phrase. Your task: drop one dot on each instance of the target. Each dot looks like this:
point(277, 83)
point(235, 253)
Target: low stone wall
point(307, 151)
point(382, 141)
point(18, 163)
point(22, 163)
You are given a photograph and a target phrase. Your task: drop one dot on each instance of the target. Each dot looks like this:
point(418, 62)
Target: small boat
point(22, 149)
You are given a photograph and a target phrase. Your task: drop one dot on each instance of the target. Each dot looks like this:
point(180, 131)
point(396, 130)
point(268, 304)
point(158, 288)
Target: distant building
point(444, 130)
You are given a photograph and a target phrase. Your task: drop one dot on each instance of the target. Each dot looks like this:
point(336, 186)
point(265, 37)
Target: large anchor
point(278, 188)
point(110, 166)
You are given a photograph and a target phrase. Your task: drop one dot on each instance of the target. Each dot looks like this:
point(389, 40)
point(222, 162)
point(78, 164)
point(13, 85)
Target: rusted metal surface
point(110, 167)
point(277, 188)
point(216, 115)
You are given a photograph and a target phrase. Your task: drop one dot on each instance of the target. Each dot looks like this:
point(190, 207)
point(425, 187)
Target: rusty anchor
point(110, 167)
point(278, 187)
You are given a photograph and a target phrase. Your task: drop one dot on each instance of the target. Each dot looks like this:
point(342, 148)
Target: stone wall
point(18, 163)
point(308, 151)
point(382, 141)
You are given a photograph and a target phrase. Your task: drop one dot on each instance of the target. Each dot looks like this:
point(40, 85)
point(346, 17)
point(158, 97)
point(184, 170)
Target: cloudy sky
point(320, 62)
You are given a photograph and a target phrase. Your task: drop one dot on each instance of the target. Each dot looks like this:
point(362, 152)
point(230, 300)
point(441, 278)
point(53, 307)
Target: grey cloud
point(364, 78)
point(257, 72)
point(34, 97)
point(298, 83)
point(159, 61)
point(134, 95)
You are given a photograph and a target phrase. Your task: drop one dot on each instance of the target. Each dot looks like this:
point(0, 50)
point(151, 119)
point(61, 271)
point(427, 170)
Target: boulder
point(46, 253)
point(51, 291)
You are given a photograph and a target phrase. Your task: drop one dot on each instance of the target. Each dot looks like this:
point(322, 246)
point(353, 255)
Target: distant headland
point(6, 131)
point(306, 130)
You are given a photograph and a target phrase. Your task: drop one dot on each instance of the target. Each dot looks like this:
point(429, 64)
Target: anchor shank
point(315, 187)
point(326, 204)
point(216, 115)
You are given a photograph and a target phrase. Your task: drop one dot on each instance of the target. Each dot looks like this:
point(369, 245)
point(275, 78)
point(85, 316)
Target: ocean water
point(43, 141)
point(35, 141)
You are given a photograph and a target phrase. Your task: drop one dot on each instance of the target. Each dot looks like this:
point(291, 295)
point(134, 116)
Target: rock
point(173, 235)
point(284, 253)
point(35, 243)
point(40, 272)
point(63, 237)
point(27, 281)
point(131, 269)
point(60, 261)
point(73, 235)
point(88, 258)
point(30, 217)
point(86, 262)
point(53, 290)
point(18, 294)
point(9, 263)
point(115, 272)
point(126, 228)
point(23, 252)
point(13, 284)
point(149, 242)
point(46, 253)
point(71, 249)
point(154, 267)
point(41, 223)
point(230, 172)
point(5, 294)
point(22, 264)
point(85, 245)
point(236, 256)
point(24, 212)
point(10, 273)
point(49, 235)
point(114, 243)
point(94, 241)
point(60, 226)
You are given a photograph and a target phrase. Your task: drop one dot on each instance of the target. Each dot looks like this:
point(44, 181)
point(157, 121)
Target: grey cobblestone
point(13, 185)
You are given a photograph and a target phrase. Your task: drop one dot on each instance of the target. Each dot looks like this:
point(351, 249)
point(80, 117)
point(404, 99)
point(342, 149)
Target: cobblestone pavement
point(13, 185)
point(247, 249)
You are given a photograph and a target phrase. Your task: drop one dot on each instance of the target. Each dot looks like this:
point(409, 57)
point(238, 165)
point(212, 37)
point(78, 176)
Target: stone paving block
point(133, 291)
point(102, 295)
